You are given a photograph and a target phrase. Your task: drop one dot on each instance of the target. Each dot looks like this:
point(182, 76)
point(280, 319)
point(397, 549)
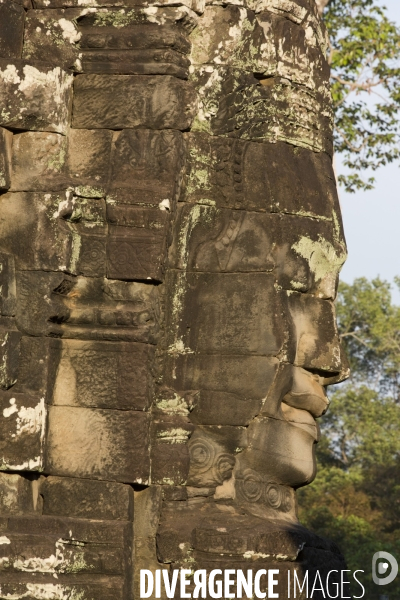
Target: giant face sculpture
point(170, 241)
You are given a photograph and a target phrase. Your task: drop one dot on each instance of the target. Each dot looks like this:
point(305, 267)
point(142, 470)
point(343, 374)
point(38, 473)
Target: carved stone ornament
point(170, 244)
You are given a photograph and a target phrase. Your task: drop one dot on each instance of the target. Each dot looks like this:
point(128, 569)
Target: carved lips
point(306, 401)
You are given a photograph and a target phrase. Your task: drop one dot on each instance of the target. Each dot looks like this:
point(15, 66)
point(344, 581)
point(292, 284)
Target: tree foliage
point(355, 499)
point(364, 55)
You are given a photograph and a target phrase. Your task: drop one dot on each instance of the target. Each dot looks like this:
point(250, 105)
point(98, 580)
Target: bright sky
point(372, 219)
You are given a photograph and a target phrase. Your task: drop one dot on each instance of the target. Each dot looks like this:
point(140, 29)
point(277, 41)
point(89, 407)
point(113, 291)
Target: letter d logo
point(381, 568)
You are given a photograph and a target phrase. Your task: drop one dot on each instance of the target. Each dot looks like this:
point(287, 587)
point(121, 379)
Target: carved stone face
point(255, 339)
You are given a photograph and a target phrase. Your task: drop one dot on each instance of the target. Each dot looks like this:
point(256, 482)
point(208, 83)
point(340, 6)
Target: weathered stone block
point(222, 390)
point(8, 285)
point(196, 5)
point(88, 255)
point(38, 310)
point(146, 168)
point(268, 177)
point(139, 218)
point(16, 495)
point(87, 531)
point(87, 499)
point(231, 35)
point(22, 426)
point(52, 36)
point(88, 161)
point(98, 444)
point(236, 104)
point(140, 35)
point(118, 101)
point(5, 158)
point(34, 96)
point(38, 359)
point(147, 516)
point(60, 232)
point(120, 22)
point(301, 182)
point(110, 588)
point(25, 3)
point(135, 253)
point(104, 375)
point(299, 57)
point(303, 254)
point(169, 449)
point(12, 17)
point(226, 173)
point(31, 230)
point(211, 239)
point(135, 62)
point(220, 301)
point(109, 310)
point(32, 553)
point(38, 162)
point(266, 44)
point(245, 378)
point(9, 357)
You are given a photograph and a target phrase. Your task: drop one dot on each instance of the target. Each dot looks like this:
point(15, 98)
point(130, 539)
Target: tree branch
point(353, 335)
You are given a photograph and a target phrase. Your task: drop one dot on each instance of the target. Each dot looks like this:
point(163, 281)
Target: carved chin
point(292, 459)
point(281, 451)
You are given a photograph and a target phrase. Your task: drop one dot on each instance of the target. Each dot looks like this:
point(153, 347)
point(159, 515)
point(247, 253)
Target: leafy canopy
point(355, 499)
point(364, 55)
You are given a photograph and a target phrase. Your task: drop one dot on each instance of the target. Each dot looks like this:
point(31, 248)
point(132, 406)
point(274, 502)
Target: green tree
point(355, 499)
point(364, 54)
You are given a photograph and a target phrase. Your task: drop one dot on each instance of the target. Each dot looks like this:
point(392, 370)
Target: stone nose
point(316, 343)
point(307, 393)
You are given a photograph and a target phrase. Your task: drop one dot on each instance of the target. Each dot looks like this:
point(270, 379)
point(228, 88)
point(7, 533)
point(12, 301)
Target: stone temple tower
point(170, 243)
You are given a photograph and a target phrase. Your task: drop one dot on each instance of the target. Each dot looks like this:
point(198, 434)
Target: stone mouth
point(302, 419)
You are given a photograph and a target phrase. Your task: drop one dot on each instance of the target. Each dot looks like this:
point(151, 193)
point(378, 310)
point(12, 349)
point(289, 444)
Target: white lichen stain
point(45, 591)
point(33, 464)
point(69, 31)
point(323, 259)
point(29, 420)
point(178, 347)
point(65, 206)
point(175, 405)
point(10, 75)
point(32, 420)
point(209, 96)
point(251, 555)
point(165, 204)
point(4, 540)
point(174, 436)
point(7, 412)
point(62, 561)
point(52, 80)
point(76, 249)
